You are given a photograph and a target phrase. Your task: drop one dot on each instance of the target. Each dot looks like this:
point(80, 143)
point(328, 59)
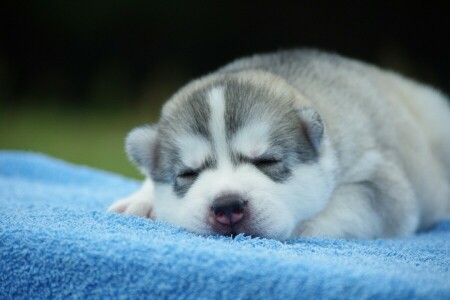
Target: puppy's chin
point(265, 215)
point(253, 225)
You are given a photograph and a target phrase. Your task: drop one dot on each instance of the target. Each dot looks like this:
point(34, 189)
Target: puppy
point(296, 143)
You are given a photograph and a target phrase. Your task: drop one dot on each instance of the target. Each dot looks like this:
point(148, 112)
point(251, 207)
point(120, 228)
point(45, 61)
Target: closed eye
point(188, 174)
point(265, 162)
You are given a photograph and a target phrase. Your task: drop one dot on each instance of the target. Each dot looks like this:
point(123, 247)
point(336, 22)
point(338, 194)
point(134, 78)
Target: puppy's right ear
point(141, 146)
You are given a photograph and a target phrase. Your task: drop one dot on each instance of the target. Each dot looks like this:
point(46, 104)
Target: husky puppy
point(296, 143)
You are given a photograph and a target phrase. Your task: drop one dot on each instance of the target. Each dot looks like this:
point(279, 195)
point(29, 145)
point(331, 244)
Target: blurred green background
point(76, 76)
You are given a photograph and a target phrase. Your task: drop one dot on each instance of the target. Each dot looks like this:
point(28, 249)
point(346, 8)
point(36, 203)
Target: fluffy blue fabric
point(57, 241)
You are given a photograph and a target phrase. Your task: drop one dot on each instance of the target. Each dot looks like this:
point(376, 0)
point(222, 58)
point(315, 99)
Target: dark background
point(76, 75)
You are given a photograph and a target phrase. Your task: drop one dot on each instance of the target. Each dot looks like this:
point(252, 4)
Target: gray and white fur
point(296, 143)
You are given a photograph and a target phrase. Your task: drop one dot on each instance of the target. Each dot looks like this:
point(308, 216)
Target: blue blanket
point(57, 241)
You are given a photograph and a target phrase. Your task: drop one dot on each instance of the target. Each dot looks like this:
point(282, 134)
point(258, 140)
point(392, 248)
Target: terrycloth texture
point(57, 241)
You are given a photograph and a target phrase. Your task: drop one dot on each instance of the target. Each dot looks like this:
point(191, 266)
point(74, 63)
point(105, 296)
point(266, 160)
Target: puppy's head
point(240, 153)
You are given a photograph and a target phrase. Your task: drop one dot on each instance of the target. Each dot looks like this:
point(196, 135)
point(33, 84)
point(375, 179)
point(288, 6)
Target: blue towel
point(57, 241)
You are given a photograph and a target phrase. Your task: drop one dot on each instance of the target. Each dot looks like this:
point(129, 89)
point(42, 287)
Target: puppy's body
point(296, 143)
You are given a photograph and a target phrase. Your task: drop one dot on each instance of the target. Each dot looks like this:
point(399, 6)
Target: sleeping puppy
point(296, 143)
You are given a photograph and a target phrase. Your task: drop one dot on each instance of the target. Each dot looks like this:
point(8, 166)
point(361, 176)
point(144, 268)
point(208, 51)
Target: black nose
point(228, 209)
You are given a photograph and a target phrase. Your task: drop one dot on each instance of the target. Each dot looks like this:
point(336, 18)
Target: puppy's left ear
point(141, 146)
point(312, 126)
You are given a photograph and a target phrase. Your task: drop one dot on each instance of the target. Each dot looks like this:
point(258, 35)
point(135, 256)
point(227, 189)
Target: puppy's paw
point(315, 228)
point(309, 231)
point(133, 205)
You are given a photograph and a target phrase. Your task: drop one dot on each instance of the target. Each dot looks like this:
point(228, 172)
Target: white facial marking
point(217, 128)
point(194, 149)
point(252, 140)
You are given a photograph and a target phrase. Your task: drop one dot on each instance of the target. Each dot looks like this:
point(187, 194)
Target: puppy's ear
point(312, 126)
point(141, 146)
